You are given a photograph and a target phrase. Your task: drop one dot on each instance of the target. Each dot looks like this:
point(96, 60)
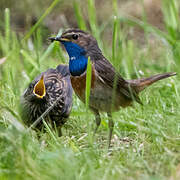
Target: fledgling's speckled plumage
point(80, 45)
point(57, 98)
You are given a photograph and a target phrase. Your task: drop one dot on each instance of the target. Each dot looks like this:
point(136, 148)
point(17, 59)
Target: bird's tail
point(141, 84)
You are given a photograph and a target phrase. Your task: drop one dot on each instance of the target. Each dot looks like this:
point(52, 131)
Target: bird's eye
point(75, 36)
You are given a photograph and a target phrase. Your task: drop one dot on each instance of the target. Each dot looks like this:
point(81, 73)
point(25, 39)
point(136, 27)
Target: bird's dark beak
point(39, 89)
point(58, 38)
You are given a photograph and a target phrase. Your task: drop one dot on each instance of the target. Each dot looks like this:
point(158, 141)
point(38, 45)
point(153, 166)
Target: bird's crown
point(81, 38)
point(75, 35)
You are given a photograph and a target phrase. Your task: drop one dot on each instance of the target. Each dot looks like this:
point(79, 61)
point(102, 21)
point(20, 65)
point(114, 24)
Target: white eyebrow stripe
point(69, 34)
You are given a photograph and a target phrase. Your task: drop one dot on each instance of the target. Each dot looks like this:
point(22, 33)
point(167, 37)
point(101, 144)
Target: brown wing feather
point(107, 72)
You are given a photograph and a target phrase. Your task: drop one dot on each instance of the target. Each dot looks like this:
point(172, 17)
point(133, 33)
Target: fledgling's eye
point(75, 36)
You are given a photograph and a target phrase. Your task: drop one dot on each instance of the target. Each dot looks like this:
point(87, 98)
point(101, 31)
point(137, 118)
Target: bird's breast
point(79, 84)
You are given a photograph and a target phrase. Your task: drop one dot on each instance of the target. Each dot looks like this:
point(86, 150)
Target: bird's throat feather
point(77, 59)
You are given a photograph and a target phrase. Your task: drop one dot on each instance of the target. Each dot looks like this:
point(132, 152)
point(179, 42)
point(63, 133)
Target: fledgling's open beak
point(58, 38)
point(39, 89)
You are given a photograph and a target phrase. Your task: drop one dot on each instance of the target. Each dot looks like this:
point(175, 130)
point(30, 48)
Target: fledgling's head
point(36, 90)
point(78, 41)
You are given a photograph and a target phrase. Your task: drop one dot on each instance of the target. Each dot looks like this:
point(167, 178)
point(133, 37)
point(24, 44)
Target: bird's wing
point(63, 70)
point(108, 74)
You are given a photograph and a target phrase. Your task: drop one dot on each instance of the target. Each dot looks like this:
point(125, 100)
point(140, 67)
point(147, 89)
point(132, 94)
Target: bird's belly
point(79, 84)
point(101, 95)
point(101, 98)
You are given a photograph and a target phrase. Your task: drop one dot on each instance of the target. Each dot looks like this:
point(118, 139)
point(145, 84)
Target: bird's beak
point(39, 89)
point(58, 38)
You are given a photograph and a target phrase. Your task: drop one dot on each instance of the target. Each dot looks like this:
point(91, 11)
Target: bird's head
point(78, 42)
point(79, 45)
point(36, 90)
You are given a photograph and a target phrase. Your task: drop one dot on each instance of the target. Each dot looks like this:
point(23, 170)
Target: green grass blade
point(171, 17)
point(79, 17)
point(49, 130)
point(88, 81)
point(29, 59)
point(47, 52)
point(93, 21)
point(128, 61)
point(7, 27)
point(149, 28)
point(114, 40)
point(114, 59)
point(48, 10)
point(50, 49)
point(115, 7)
point(92, 16)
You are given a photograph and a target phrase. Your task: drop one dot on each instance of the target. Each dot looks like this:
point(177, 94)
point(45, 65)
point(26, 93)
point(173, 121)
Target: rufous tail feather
point(141, 84)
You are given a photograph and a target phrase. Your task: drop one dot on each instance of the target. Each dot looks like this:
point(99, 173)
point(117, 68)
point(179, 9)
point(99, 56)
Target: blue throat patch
point(77, 59)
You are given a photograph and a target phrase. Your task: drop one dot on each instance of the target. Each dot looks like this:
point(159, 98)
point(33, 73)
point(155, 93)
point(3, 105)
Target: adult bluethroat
point(80, 45)
point(48, 96)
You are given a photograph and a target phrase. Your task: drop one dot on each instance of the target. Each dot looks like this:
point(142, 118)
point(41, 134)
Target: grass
point(146, 138)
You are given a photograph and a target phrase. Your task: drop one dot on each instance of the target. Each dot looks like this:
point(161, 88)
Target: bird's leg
point(97, 119)
point(98, 122)
point(111, 126)
point(59, 131)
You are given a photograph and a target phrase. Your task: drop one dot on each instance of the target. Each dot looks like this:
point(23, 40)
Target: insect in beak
point(58, 38)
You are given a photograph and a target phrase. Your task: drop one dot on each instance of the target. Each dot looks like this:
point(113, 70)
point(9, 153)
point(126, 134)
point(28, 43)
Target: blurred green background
point(25, 13)
point(140, 38)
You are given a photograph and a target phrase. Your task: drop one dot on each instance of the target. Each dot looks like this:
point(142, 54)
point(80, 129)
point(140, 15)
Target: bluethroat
point(80, 45)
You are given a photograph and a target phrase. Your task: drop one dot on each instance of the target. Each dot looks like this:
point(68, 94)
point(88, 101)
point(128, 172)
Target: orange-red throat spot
point(39, 89)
